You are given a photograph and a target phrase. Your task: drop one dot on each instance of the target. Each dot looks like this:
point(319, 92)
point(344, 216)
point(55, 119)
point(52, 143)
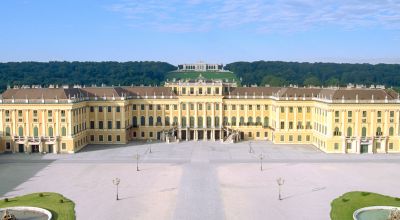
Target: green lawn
point(342, 208)
point(208, 75)
point(49, 201)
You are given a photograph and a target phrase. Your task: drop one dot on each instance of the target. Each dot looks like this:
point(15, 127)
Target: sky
point(213, 31)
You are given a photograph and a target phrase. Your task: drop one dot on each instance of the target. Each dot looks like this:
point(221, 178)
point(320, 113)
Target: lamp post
point(280, 182)
point(116, 182)
point(137, 157)
point(261, 157)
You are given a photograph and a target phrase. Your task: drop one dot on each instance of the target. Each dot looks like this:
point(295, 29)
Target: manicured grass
point(49, 201)
point(343, 207)
point(208, 75)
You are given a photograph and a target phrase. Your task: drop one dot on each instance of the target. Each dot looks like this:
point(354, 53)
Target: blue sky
point(215, 31)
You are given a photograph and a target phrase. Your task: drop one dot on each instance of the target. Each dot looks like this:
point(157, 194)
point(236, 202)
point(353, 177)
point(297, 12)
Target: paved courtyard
point(200, 180)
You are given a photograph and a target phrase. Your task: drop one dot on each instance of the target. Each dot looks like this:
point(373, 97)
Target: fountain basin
point(373, 213)
point(28, 213)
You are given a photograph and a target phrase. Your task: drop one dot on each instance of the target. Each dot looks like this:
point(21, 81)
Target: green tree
point(312, 81)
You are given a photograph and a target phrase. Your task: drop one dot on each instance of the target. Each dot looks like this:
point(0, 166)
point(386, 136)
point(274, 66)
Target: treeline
point(154, 73)
point(277, 73)
point(83, 73)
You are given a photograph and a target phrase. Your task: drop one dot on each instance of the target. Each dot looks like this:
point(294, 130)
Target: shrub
point(6, 200)
point(345, 200)
point(41, 195)
point(397, 199)
point(61, 201)
point(365, 193)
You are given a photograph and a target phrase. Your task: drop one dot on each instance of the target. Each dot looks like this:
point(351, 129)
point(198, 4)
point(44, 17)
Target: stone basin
point(27, 213)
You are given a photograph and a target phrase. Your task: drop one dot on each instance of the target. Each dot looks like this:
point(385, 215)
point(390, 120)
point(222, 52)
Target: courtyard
point(200, 180)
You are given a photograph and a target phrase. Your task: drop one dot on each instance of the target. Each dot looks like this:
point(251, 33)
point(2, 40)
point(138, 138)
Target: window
point(308, 109)
point(191, 106)
point(21, 131)
point(191, 90)
point(36, 131)
point(378, 131)
point(250, 107)
point(364, 114)
point(217, 91)
point(241, 107)
point(349, 132)
point(200, 90)
point(299, 109)
point(19, 113)
point(258, 120)
point(200, 121)
point(348, 145)
point(133, 107)
point(391, 131)
point(142, 107)
point(134, 121)
point(299, 138)
point(8, 113)
point(308, 138)
point(100, 124)
point(250, 134)
point(200, 107)
point(151, 120)
point(208, 90)
point(250, 121)
point(118, 138)
point(109, 138)
point(266, 121)
point(63, 146)
point(158, 107)
point(118, 109)
point(63, 131)
point(349, 114)
point(364, 132)
point(282, 125)
point(183, 106)
point(233, 121)
point(379, 114)
point(265, 134)
point(100, 137)
point(258, 107)
point(216, 121)
point(109, 124)
point(183, 122)
point(390, 146)
point(142, 134)
point(217, 107)
point(290, 138)
point(336, 114)
point(167, 121)
point(118, 124)
point(257, 134)
point(282, 109)
point(109, 109)
point(336, 132)
point(8, 131)
point(208, 121)
point(233, 107)
point(336, 146)
point(150, 134)
point(150, 107)
point(265, 107)
point(290, 125)
point(158, 122)
point(175, 120)
point(282, 138)
point(191, 121)
point(291, 109)
point(241, 122)
point(183, 90)
point(391, 114)
point(91, 124)
point(100, 108)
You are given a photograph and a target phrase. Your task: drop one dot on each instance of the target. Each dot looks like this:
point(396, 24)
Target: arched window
point(378, 131)
point(349, 132)
point(151, 122)
point(8, 131)
point(363, 132)
point(158, 120)
point(175, 120)
point(134, 121)
point(63, 131)
point(167, 121)
point(142, 121)
point(208, 121)
point(50, 131)
point(183, 121)
point(233, 121)
point(258, 121)
point(241, 122)
point(250, 120)
point(191, 121)
point(35, 131)
point(225, 120)
point(200, 121)
point(21, 131)
point(266, 121)
point(336, 132)
point(391, 131)
point(216, 121)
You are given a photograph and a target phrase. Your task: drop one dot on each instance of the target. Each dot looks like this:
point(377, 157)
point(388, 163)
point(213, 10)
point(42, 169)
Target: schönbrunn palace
point(62, 119)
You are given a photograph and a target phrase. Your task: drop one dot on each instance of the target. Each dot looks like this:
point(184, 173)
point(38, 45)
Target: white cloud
point(261, 15)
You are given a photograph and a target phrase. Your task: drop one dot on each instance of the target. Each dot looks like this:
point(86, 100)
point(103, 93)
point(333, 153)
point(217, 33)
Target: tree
point(312, 81)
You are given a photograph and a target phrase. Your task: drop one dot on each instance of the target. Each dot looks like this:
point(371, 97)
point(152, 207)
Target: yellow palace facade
point(65, 119)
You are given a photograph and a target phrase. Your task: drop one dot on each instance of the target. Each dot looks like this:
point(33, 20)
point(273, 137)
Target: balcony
point(50, 139)
point(19, 139)
point(34, 140)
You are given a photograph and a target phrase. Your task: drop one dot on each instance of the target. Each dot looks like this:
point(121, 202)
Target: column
point(96, 117)
point(286, 118)
point(295, 119)
point(220, 120)
point(146, 119)
point(277, 119)
point(204, 117)
point(123, 124)
point(27, 123)
point(386, 130)
point(57, 123)
point(212, 115)
point(163, 115)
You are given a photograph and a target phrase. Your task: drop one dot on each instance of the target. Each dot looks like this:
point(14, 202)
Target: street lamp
point(280, 182)
point(137, 157)
point(116, 182)
point(261, 157)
